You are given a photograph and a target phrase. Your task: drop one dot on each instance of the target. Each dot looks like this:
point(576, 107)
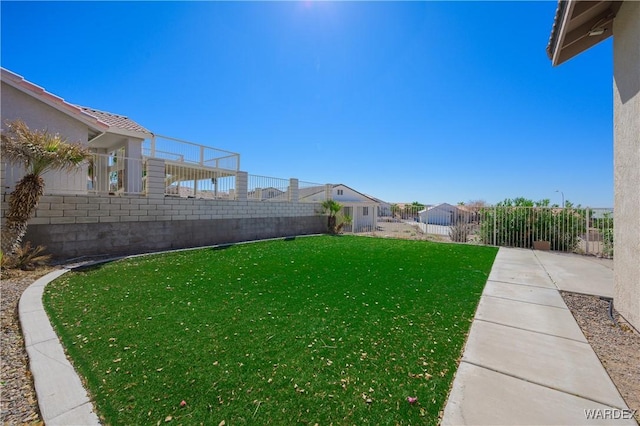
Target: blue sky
point(405, 101)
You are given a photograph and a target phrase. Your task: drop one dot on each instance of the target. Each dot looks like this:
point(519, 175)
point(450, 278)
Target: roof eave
point(579, 25)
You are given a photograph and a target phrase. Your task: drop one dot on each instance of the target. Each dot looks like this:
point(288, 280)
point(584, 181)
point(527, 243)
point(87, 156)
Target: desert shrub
point(520, 222)
point(27, 257)
point(460, 232)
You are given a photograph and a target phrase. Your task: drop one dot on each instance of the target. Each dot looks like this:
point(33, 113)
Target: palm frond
point(39, 151)
point(27, 257)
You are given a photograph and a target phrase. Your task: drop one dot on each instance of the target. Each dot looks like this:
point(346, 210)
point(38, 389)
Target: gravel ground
point(618, 347)
point(18, 403)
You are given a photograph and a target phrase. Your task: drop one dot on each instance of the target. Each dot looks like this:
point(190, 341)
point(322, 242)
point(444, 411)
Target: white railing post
point(586, 227)
point(495, 224)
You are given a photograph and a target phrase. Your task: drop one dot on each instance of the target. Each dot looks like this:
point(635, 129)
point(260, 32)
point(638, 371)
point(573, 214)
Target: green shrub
point(520, 222)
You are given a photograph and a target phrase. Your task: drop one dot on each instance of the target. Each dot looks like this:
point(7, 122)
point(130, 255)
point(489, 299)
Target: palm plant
point(38, 152)
point(332, 207)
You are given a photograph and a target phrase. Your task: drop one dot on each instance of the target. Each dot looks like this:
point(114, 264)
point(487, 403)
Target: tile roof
point(555, 29)
point(99, 119)
point(115, 120)
point(18, 81)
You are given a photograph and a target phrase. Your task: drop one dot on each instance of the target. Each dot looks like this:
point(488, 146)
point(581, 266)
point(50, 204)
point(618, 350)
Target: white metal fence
point(199, 182)
point(358, 218)
point(115, 174)
point(571, 229)
point(263, 188)
point(184, 152)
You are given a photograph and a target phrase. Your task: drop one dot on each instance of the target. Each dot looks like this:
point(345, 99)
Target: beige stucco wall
point(626, 102)
point(39, 116)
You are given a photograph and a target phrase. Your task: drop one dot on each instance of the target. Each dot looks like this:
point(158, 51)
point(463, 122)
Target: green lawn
point(312, 330)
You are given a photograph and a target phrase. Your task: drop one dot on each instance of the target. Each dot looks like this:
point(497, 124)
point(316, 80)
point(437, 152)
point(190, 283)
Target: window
point(365, 211)
point(340, 192)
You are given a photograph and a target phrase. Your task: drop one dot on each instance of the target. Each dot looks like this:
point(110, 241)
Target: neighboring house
point(442, 214)
point(577, 26)
point(42, 110)
point(119, 145)
point(269, 193)
point(384, 208)
point(100, 131)
point(361, 208)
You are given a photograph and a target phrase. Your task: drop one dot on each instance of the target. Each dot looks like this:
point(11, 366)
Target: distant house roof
point(578, 25)
point(313, 190)
point(117, 121)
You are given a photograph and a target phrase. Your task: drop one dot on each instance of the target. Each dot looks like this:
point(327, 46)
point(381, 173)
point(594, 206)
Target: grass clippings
point(327, 330)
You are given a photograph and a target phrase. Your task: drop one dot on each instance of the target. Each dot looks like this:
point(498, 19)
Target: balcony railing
point(115, 174)
point(188, 153)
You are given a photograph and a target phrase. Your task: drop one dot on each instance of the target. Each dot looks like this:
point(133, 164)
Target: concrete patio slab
point(492, 398)
point(530, 316)
point(524, 293)
point(555, 362)
point(577, 273)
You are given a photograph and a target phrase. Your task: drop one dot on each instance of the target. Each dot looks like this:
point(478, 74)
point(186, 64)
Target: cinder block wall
point(79, 225)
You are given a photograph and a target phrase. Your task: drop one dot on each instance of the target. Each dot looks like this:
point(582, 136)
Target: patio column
point(133, 166)
point(328, 189)
point(155, 178)
point(293, 190)
point(242, 180)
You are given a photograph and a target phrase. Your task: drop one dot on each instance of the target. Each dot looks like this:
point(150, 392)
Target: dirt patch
point(403, 230)
point(617, 346)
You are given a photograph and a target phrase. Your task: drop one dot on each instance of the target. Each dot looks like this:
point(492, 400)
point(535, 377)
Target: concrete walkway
point(526, 360)
point(61, 397)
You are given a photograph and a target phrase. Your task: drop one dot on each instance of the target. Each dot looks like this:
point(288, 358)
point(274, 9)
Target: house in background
point(577, 26)
point(384, 208)
point(361, 208)
point(441, 214)
point(268, 193)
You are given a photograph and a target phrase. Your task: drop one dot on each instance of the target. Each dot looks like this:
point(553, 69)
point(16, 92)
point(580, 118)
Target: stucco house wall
point(38, 115)
point(442, 214)
point(626, 103)
point(363, 209)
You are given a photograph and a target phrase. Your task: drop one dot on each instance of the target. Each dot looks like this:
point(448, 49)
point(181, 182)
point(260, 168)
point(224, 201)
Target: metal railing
point(357, 218)
point(181, 151)
point(115, 174)
point(263, 188)
point(571, 229)
point(196, 182)
point(309, 192)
